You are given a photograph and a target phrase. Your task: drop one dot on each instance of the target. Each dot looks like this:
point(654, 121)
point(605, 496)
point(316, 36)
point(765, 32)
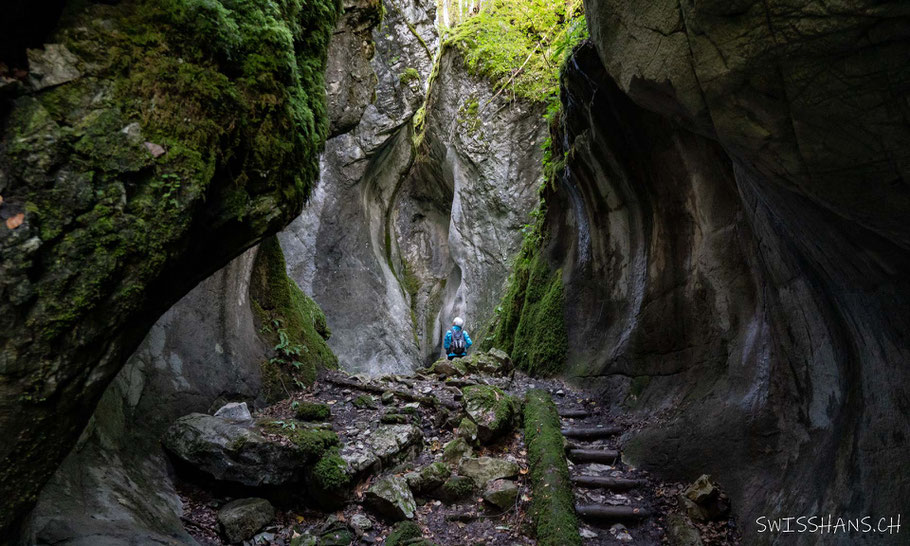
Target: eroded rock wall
point(732, 248)
point(414, 223)
point(147, 145)
point(115, 486)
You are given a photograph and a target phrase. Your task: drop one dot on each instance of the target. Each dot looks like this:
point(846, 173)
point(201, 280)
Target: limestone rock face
point(409, 227)
point(103, 232)
point(732, 230)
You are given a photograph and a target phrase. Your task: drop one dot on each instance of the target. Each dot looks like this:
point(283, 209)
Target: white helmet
point(458, 321)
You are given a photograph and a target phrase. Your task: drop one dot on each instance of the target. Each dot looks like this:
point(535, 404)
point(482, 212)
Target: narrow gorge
point(235, 233)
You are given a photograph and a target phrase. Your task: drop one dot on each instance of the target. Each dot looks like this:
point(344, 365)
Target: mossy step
point(591, 432)
point(593, 455)
point(600, 482)
point(603, 512)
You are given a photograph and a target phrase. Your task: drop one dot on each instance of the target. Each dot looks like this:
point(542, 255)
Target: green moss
point(291, 322)
point(312, 411)
point(395, 419)
point(490, 399)
point(313, 443)
point(329, 473)
point(409, 75)
point(458, 487)
point(364, 401)
point(403, 533)
point(521, 44)
point(552, 502)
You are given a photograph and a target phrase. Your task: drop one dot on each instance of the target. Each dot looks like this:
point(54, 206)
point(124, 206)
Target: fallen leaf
point(1, 199)
point(15, 221)
point(523, 471)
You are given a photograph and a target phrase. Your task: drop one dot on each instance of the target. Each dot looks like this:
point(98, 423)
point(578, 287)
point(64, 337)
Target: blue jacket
point(448, 341)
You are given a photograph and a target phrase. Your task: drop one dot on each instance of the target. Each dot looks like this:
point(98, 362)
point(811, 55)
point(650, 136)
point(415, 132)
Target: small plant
point(409, 75)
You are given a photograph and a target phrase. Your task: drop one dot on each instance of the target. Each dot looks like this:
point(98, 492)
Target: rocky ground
point(437, 457)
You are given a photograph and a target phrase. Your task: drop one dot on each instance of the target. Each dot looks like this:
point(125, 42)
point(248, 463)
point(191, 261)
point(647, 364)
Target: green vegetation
point(403, 533)
point(313, 443)
point(521, 44)
point(409, 75)
point(364, 401)
point(458, 487)
point(312, 411)
point(552, 501)
point(291, 321)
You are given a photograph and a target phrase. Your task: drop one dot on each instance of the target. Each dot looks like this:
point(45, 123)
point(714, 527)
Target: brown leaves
point(15, 221)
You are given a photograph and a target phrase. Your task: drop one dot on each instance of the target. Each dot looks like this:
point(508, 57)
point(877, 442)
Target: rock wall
point(731, 229)
point(420, 205)
point(145, 146)
point(115, 486)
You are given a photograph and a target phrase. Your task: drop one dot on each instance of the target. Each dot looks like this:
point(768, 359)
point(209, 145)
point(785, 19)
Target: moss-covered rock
point(183, 132)
point(364, 401)
point(312, 411)
point(328, 482)
point(455, 489)
point(492, 410)
point(290, 321)
point(552, 501)
point(531, 317)
point(454, 451)
point(427, 478)
point(403, 533)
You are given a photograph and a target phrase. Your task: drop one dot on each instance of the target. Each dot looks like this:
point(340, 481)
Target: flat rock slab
point(486, 469)
point(235, 411)
point(391, 497)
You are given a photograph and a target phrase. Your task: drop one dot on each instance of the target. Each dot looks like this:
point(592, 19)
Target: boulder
point(312, 411)
point(361, 523)
point(390, 497)
point(493, 411)
point(501, 493)
point(681, 532)
point(445, 368)
point(243, 518)
point(455, 489)
point(51, 66)
point(493, 362)
point(233, 452)
point(235, 411)
point(704, 501)
point(456, 450)
point(485, 469)
point(467, 431)
point(386, 444)
point(364, 401)
point(427, 478)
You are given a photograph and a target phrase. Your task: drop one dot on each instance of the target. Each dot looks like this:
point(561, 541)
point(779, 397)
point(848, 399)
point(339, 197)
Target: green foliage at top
point(291, 321)
point(521, 44)
point(552, 501)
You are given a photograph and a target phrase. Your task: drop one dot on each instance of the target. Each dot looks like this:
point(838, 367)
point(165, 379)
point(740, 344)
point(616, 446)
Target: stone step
point(593, 455)
point(591, 433)
point(574, 413)
point(600, 482)
point(604, 512)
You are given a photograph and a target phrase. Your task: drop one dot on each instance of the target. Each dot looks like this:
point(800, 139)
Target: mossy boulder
point(501, 493)
point(467, 431)
point(493, 411)
point(455, 489)
point(329, 483)
point(238, 453)
point(428, 478)
point(162, 140)
point(312, 411)
point(445, 368)
point(404, 533)
point(456, 450)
